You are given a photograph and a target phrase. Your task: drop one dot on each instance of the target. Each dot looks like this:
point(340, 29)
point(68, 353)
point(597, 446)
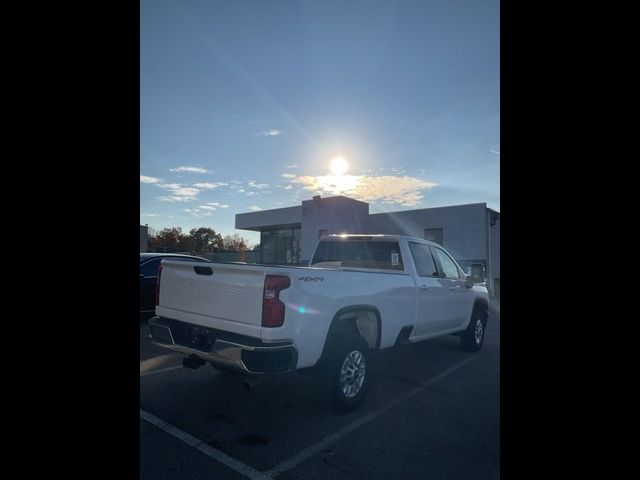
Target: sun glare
point(339, 166)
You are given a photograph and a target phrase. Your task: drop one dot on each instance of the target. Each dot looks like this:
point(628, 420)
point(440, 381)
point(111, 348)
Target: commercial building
point(471, 233)
point(144, 238)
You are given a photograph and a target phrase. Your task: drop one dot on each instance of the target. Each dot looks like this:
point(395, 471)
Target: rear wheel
point(472, 338)
point(346, 372)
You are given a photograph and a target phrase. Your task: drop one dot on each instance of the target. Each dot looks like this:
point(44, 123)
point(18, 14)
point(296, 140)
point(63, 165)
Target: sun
point(339, 166)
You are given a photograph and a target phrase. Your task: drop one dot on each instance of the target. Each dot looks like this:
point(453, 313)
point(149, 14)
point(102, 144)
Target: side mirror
point(478, 272)
point(469, 281)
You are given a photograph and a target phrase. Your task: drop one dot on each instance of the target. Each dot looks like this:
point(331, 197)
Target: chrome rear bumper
point(237, 352)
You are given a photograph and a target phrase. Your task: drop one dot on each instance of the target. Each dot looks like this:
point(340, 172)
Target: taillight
point(272, 307)
point(158, 285)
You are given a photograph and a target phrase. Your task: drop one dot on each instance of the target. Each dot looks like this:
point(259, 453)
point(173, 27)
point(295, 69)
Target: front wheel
point(472, 338)
point(347, 375)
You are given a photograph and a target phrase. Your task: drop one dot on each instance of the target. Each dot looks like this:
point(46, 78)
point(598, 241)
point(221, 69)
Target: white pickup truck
point(360, 293)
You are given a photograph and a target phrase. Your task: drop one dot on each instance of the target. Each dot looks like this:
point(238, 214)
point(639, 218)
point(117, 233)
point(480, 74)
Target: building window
point(433, 235)
point(281, 246)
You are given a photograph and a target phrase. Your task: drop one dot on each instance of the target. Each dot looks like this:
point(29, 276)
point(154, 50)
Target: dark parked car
point(149, 264)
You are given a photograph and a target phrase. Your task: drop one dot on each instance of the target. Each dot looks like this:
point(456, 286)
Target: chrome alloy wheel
point(352, 374)
point(479, 331)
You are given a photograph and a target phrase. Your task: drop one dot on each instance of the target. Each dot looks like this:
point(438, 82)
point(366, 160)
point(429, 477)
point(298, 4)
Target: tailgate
point(212, 294)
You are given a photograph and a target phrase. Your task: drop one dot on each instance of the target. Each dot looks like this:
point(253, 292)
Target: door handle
point(456, 287)
point(423, 287)
point(203, 270)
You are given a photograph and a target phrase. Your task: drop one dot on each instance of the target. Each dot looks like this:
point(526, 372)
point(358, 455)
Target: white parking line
point(152, 372)
point(221, 457)
point(334, 437)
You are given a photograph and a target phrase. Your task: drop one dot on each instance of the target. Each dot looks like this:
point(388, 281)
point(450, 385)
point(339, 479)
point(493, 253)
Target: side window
point(150, 269)
point(448, 265)
point(425, 266)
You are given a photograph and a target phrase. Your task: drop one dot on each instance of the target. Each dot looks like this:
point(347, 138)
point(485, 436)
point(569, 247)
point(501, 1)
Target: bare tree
point(236, 243)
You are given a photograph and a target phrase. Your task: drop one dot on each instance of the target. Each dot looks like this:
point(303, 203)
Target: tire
point(472, 338)
point(347, 372)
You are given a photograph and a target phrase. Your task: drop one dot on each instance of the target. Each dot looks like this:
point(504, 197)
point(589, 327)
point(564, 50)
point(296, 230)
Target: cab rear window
point(358, 254)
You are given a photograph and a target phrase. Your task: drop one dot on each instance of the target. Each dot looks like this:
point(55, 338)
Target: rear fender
point(349, 320)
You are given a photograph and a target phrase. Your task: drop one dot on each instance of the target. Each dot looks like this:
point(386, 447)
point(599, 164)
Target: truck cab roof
point(376, 237)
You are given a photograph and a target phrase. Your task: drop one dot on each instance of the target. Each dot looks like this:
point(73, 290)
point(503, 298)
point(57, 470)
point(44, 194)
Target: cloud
point(250, 194)
point(151, 215)
point(292, 166)
point(210, 206)
point(145, 179)
point(288, 175)
point(288, 187)
point(210, 186)
point(253, 184)
point(178, 192)
point(269, 133)
point(493, 151)
point(242, 190)
point(255, 208)
point(173, 198)
point(406, 191)
point(196, 212)
point(189, 169)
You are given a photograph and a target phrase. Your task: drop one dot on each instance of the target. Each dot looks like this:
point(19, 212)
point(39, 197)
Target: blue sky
point(244, 104)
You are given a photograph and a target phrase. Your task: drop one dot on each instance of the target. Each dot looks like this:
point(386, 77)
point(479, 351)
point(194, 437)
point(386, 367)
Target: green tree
point(166, 240)
point(205, 240)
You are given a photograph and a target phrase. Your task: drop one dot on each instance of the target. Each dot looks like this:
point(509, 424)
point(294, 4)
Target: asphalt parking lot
point(432, 411)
